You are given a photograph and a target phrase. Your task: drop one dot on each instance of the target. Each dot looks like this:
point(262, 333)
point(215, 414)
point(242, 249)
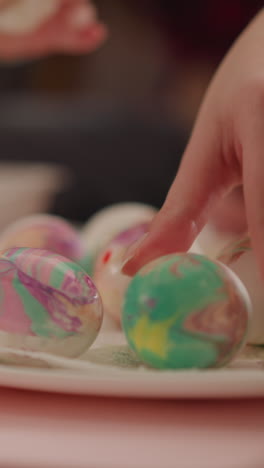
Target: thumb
point(199, 180)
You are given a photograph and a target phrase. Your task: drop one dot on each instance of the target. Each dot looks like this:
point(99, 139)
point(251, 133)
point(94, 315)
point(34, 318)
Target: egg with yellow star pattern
point(186, 311)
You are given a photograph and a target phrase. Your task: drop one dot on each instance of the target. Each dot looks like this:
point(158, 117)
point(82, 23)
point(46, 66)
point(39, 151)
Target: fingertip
point(82, 21)
point(130, 267)
point(81, 15)
point(137, 256)
point(96, 34)
point(168, 234)
point(84, 41)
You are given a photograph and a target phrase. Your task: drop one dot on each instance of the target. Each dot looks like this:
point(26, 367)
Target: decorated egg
point(45, 232)
point(186, 311)
point(239, 256)
point(108, 277)
point(107, 223)
point(47, 303)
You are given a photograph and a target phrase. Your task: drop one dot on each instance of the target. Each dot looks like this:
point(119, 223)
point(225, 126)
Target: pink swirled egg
point(47, 303)
point(44, 232)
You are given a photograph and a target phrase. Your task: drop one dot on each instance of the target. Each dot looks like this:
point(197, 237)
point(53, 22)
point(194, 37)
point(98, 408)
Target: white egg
point(108, 277)
point(101, 228)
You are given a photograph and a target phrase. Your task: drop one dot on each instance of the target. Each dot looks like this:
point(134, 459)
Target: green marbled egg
point(185, 311)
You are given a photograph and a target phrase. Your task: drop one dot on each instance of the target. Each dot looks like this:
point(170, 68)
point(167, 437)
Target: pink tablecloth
point(46, 430)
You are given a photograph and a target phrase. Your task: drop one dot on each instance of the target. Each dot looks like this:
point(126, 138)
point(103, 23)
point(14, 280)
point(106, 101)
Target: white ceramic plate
point(110, 369)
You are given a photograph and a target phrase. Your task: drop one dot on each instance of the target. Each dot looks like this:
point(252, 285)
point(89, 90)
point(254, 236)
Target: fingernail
point(131, 250)
point(82, 16)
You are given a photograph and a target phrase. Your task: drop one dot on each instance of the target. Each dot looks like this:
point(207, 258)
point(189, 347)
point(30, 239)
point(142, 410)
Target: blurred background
point(119, 118)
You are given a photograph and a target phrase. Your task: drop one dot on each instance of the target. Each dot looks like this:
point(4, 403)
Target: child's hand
point(72, 28)
point(226, 150)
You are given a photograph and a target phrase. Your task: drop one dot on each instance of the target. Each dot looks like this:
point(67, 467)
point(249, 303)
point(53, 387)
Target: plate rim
point(210, 384)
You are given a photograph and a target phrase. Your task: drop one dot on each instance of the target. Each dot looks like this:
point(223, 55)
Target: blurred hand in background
point(32, 28)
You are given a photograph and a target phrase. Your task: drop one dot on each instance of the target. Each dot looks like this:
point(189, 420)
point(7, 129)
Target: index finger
point(200, 179)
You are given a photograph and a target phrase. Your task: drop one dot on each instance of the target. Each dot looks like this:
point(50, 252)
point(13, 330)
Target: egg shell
point(186, 311)
point(47, 303)
point(45, 232)
point(109, 279)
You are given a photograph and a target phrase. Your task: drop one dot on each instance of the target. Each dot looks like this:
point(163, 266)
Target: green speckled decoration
point(185, 311)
